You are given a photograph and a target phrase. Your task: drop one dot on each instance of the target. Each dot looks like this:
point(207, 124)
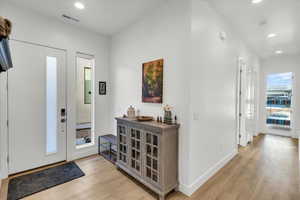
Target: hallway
point(266, 170)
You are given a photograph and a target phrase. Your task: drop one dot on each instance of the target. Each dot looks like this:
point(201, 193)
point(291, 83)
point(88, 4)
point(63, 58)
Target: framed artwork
point(102, 88)
point(153, 82)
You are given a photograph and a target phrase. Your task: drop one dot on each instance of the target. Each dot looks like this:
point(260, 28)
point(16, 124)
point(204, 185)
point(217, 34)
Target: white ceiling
point(279, 16)
point(101, 16)
point(110, 16)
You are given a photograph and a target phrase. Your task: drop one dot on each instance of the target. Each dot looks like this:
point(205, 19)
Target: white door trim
point(3, 126)
point(92, 58)
point(37, 44)
point(240, 114)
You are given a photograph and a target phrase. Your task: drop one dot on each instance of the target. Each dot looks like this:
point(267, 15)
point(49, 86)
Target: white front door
point(36, 107)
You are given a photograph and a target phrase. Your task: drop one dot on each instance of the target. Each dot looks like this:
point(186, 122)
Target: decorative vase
point(131, 112)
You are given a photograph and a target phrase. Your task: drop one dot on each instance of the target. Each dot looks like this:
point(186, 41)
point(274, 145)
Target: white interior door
point(36, 108)
point(246, 104)
point(241, 107)
point(250, 104)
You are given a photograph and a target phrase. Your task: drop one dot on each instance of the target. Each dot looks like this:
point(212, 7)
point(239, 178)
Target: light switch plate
point(196, 116)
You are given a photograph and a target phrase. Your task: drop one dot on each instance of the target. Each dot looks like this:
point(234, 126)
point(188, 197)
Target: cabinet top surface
point(149, 123)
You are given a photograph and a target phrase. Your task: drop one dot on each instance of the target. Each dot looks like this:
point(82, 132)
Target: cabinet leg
point(161, 197)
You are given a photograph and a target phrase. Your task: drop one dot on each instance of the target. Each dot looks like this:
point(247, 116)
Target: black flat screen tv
point(5, 56)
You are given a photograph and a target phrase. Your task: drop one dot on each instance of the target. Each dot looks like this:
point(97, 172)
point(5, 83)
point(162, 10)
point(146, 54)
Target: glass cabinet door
point(135, 150)
point(152, 157)
point(122, 145)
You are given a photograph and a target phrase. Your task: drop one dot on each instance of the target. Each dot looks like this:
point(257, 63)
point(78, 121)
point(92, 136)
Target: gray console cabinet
point(148, 151)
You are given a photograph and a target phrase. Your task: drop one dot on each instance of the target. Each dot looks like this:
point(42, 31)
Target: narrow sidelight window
point(51, 71)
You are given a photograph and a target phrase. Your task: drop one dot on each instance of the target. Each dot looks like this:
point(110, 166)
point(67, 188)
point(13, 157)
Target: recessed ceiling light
point(79, 5)
point(271, 35)
point(256, 1)
point(279, 52)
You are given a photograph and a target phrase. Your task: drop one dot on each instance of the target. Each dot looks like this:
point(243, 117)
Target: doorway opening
point(279, 106)
point(246, 103)
point(85, 101)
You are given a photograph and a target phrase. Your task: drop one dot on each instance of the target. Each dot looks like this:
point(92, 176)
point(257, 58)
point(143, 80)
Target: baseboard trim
point(190, 189)
point(85, 152)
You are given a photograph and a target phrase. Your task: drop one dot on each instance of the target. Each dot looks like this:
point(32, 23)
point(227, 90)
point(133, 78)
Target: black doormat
point(29, 184)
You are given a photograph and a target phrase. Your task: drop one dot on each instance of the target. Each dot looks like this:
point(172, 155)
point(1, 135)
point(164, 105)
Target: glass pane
point(133, 153)
point(154, 164)
point(87, 85)
point(124, 140)
point(148, 172)
point(155, 152)
point(132, 133)
point(138, 135)
point(154, 176)
point(148, 161)
point(51, 71)
point(148, 138)
point(149, 149)
point(132, 163)
point(84, 107)
point(155, 140)
point(137, 166)
point(279, 97)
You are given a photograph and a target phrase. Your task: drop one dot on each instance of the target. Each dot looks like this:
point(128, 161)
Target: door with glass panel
point(37, 107)
point(279, 102)
point(85, 101)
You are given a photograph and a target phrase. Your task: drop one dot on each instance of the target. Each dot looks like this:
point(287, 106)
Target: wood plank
point(266, 170)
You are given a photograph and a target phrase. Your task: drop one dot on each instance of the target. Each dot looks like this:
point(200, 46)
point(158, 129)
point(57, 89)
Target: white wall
point(163, 34)
point(199, 76)
point(33, 27)
point(280, 64)
point(199, 81)
point(213, 82)
point(83, 110)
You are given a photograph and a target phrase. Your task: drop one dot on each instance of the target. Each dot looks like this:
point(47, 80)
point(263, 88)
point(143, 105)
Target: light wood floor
point(266, 170)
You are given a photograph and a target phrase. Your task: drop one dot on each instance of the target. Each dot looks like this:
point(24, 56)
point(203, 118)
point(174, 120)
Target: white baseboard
point(84, 152)
point(190, 189)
